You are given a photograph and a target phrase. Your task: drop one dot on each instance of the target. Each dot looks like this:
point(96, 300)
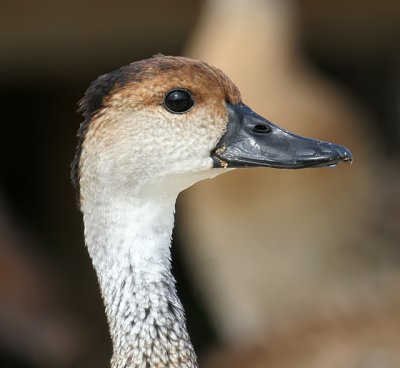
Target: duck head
point(166, 117)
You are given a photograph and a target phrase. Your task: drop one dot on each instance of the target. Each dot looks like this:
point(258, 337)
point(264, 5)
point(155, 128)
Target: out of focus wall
point(279, 251)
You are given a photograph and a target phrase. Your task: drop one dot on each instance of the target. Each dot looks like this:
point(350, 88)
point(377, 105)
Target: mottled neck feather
point(129, 242)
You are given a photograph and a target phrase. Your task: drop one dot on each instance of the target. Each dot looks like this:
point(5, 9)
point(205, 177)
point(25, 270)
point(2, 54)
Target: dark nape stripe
point(75, 174)
point(100, 88)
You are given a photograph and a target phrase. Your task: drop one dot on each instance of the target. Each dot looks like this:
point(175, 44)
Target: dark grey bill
point(251, 140)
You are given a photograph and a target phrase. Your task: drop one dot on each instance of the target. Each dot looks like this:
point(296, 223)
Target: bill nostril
point(261, 128)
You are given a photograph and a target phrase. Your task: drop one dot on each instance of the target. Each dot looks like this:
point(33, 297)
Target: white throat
point(129, 242)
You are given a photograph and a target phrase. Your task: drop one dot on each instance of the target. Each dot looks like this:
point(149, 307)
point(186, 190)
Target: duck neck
point(129, 242)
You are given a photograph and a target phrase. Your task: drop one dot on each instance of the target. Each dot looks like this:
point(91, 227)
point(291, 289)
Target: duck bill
point(252, 141)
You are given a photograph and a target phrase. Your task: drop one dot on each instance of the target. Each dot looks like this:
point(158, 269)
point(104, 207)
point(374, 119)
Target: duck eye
point(178, 101)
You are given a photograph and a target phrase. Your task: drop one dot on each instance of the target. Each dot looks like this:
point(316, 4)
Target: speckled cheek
point(213, 121)
point(100, 139)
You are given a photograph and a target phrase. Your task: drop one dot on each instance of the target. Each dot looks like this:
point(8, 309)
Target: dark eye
point(178, 101)
point(259, 128)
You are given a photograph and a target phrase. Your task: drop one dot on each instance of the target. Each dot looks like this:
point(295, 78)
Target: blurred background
point(275, 268)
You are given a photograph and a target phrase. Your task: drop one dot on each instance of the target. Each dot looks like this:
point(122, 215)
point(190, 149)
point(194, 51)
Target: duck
point(150, 130)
